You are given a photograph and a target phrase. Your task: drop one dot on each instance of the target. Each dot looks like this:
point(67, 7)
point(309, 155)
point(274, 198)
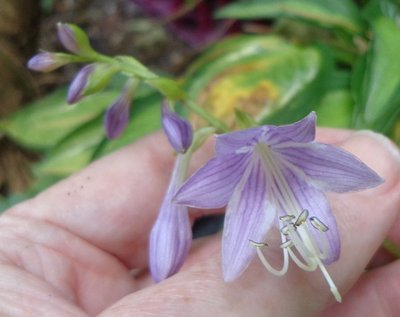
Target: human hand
point(71, 251)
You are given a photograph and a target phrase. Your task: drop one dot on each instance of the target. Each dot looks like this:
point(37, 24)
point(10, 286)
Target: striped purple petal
point(328, 167)
point(229, 143)
point(171, 235)
point(317, 205)
point(249, 216)
point(212, 185)
point(300, 131)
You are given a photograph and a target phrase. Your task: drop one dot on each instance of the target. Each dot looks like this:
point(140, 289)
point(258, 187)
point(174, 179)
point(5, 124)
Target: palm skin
point(80, 248)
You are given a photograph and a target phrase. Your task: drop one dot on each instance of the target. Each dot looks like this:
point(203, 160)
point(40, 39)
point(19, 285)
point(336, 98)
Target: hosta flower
point(171, 235)
point(277, 175)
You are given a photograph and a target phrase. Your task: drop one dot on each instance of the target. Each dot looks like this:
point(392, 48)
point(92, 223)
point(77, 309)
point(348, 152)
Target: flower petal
point(231, 142)
point(212, 185)
point(178, 130)
point(317, 205)
point(328, 167)
point(300, 131)
point(170, 240)
point(171, 235)
point(249, 216)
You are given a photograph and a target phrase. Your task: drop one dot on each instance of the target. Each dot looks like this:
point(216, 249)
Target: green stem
point(216, 123)
point(392, 248)
point(201, 112)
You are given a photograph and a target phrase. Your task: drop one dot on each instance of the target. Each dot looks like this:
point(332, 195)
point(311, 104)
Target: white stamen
point(269, 267)
point(297, 232)
point(287, 218)
point(318, 224)
point(301, 218)
point(258, 244)
point(288, 229)
point(287, 244)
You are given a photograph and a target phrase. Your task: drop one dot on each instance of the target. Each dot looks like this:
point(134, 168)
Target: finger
point(364, 219)
point(376, 294)
point(113, 203)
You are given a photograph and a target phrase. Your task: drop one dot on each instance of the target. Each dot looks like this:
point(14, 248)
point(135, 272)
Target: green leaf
point(88, 142)
point(74, 152)
point(376, 8)
point(265, 76)
point(42, 124)
point(342, 14)
point(377, 79)
point(336, 109)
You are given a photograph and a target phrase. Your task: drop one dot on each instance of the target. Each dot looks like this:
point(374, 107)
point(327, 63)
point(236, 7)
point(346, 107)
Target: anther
point(301, 218)
point(287, 218)
point(258, 244)
point(318, 224)
point(287, 244)
point(288, 229)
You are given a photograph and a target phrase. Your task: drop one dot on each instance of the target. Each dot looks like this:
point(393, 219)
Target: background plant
point(336, 57)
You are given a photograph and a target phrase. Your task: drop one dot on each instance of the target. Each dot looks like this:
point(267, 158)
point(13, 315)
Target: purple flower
point(178, 130)
point(171, 235)
point(276, 175)
point(47, 62)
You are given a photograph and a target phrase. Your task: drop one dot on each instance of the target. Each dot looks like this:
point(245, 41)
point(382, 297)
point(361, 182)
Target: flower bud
point(116, 117)
point(171, 235)
point(74, 39)
point(90, 79)
point(178, 130)
point(77, 87)
point(47, 62)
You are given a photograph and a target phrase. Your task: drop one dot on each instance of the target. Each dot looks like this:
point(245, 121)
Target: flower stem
point(392, 248)
point(218, 124)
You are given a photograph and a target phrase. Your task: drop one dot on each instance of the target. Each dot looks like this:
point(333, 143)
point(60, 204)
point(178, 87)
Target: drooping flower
point(171, 235)
point(277, 175)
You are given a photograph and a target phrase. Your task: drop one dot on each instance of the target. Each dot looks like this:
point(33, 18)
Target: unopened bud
point(74, 39)
point(116, 117)
point(47, 62)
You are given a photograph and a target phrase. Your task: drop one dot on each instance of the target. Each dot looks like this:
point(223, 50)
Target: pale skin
point(70, 251)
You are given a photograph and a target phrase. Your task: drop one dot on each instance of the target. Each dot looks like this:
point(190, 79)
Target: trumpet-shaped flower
point(171, 235)
point(277, 175)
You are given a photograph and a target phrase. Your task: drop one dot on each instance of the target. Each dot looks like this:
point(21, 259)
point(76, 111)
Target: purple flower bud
point(117, 115)
point(47, 62)
point(74, 39)
point(77, 87)
point(178, 130)
point(171, 235)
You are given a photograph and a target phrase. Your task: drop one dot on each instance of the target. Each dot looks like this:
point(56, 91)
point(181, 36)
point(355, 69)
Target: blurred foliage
point(337, 58)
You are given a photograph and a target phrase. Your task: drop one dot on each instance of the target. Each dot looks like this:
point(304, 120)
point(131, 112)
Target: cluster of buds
point(97, 74)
